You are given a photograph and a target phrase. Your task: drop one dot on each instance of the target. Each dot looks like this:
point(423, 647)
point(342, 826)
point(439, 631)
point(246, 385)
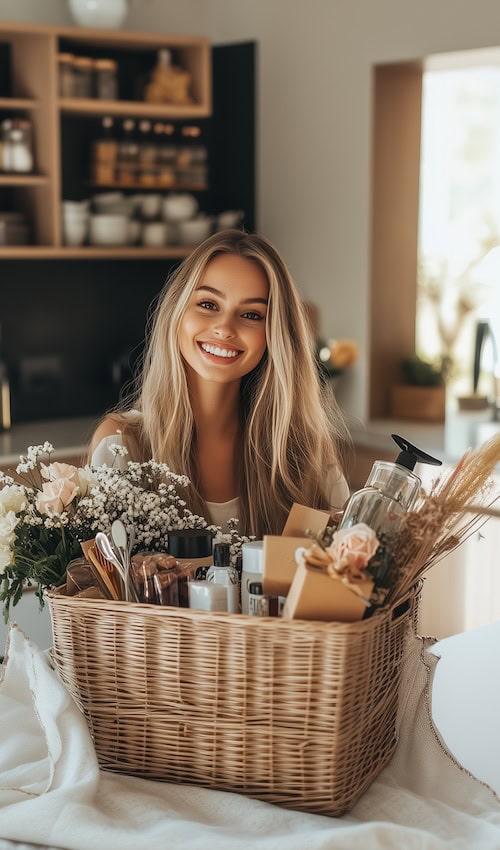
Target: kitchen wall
point(314, 123)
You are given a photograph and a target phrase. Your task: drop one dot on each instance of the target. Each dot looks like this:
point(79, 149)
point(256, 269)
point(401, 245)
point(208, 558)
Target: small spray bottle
point(391, 490)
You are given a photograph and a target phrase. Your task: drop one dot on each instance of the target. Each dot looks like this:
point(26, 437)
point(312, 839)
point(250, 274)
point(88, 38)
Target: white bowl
point(134, 231)
point(195, 230)
point(151, 206)
point(154, 233)
point(108, 229)
point(229, 218)
point(104, 199)
point(179, 206)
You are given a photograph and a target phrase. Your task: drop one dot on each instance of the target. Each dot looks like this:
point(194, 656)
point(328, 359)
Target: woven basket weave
point(300, 714)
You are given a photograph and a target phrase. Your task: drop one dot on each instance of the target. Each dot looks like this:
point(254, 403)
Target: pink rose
point(56, 495)
point(353, 548)
point(57, 471)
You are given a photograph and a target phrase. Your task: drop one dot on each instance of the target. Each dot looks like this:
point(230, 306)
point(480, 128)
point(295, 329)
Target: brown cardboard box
point(279, 562)
point(301, 518)
point(314, 595)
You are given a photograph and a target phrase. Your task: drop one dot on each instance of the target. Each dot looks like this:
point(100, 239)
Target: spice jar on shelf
point(66, 75)
point(106, 79)
point(82, 70)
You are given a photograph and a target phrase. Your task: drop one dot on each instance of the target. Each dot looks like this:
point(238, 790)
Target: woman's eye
point(255, 317)
point(207, 305)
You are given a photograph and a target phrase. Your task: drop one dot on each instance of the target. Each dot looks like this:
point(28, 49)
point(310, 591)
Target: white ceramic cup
point(154, 234)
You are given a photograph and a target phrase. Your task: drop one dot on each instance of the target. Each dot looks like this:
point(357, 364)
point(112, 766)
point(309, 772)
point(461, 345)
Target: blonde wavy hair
point(292, 433)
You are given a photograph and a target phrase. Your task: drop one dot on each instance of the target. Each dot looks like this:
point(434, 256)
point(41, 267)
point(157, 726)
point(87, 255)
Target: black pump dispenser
point(410, 454)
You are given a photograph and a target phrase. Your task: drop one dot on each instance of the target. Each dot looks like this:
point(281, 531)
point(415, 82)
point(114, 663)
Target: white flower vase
point(96, 14)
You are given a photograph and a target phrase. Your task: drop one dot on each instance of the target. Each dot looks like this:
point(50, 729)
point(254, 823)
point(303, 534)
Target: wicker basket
point(300, 714)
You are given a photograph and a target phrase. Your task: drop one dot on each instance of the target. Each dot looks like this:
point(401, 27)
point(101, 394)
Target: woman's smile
point(222, 334)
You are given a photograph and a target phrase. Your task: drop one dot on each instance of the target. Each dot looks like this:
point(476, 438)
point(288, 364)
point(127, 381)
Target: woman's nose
point(224, 329)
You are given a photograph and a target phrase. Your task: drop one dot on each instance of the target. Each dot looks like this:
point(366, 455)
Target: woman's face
point(222, 334)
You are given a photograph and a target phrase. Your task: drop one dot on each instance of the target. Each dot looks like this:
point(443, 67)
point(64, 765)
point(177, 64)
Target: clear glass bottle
point(221, 572)
point(390, 491)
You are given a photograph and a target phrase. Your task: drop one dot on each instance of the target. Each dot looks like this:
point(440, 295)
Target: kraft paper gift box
point(279, 564)
point(315, 595)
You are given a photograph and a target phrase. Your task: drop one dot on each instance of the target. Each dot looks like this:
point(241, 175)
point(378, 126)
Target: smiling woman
point(229, 393)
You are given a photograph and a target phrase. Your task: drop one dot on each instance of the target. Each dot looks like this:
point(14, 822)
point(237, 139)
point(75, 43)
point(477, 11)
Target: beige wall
point(314, 122)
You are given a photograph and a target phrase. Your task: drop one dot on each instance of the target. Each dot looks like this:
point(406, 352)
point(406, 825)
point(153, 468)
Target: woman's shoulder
point(336, 487)
point(111, 429)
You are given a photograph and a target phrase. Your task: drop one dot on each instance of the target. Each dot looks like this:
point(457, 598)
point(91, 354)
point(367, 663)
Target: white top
point(220, 512)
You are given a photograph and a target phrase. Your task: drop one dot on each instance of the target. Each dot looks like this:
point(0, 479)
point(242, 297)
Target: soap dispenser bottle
point(390, 491)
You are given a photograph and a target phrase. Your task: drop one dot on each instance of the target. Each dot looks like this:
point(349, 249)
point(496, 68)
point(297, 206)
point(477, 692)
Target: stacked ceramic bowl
point(186, 225)
point(110, 222)
point(75, 222)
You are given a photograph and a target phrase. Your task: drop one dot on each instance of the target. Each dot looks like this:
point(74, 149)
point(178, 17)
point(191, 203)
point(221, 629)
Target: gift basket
point(299, 710)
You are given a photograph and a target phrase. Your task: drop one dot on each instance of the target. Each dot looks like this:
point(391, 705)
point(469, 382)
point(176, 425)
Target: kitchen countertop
point(71, 436)
point(68, 436)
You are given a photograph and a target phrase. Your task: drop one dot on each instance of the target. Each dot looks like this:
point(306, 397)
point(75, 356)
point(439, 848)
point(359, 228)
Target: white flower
point(118, 450)
point(12, 498)
point(8, 522)
point(87, 479)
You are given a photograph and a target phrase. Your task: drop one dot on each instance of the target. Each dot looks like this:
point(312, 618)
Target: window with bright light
point(459, 220)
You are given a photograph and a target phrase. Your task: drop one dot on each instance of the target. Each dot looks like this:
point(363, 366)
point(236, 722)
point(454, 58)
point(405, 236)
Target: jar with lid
point(106, 79)
point(66, 75)
point(17, 146)
point(82, 70)
point(222, 573)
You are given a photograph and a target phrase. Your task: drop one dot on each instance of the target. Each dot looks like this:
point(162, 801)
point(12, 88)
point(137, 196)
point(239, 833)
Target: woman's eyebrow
point(221, 295)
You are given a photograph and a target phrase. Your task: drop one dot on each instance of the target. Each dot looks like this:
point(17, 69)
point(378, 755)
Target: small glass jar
point(66, 75)
point(82, 70)
point(106, 79)
point(17, 147)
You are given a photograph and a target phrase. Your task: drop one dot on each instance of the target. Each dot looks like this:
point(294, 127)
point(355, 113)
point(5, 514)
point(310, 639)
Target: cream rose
point(58, 471)
point(12, 498)
point(56, 495)
point(8, 522)
point(353, 548)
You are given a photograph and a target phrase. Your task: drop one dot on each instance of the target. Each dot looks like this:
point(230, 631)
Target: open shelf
point(142, 187)
point(94, 252)
point(133, 108)
point(15, 179)
point(18, 103)
point(30, 88)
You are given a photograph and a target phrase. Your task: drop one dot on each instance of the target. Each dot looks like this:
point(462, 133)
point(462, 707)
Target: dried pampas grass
point(457, 505)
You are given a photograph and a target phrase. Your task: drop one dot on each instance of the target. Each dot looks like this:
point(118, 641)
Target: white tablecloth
point(52, 792)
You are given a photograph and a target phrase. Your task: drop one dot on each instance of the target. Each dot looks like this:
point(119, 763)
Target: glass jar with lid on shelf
point(82, 70)
point(106, 79)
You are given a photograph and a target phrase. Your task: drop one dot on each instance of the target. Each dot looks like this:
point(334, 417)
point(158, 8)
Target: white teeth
point(219, 352)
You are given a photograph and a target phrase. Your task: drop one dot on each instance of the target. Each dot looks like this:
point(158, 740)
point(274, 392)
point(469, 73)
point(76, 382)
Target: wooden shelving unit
point(34, 53)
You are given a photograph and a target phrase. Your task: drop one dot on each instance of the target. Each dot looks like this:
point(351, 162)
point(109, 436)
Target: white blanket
point(52, 792)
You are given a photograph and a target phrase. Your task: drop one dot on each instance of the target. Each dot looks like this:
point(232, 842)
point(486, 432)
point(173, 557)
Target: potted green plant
point(421, 394)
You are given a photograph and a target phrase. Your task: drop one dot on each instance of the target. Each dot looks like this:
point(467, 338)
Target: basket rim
point(138, 609)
